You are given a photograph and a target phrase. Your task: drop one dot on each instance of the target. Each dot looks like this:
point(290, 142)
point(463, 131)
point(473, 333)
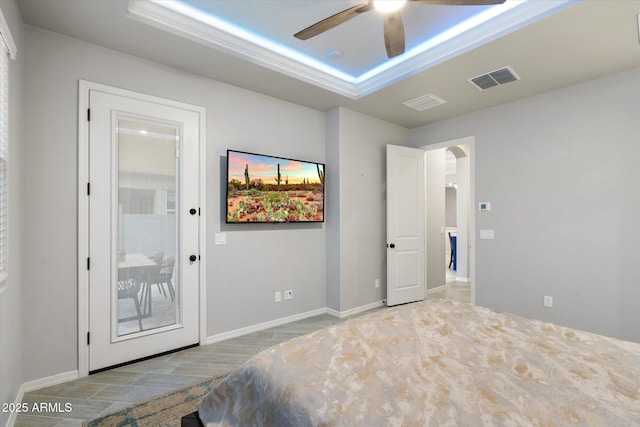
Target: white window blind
point(4, 159)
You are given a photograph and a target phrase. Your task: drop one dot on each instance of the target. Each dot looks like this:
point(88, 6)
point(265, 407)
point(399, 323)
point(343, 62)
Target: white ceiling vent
point(424, 102)
point(494, 78)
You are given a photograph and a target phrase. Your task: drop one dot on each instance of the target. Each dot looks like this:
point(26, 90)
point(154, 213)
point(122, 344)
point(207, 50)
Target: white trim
point(436, 289)
point(284, 320)
point(14, 415)
point(472, 216)
point(462, 279)
point(223, 36)
point(37, 385)
point(357, 310)
point(262, 326)
point(84, 87)
point(161, 16)
point(7, 37)
point(49, 381)
point(83, 229)
point(202, 240)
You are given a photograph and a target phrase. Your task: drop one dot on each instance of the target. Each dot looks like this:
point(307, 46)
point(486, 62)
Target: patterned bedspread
point(437, 363)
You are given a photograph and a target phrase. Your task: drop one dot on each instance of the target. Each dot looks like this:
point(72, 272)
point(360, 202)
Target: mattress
point(435, 363)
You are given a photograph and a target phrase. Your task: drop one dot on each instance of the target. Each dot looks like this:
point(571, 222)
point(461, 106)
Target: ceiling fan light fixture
point(388, 6)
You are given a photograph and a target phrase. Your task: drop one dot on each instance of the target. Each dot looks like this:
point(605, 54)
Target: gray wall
point(332, 184)
point(11, 298)
point(561, 173)
point(436, 264)
point(360, 142)
point(241, 276)
point(450, 207)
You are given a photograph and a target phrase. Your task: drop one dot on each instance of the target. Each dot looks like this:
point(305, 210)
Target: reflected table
point(135, 260)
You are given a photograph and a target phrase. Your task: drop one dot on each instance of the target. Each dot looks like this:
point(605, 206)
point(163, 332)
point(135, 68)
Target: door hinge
point(88, 338)
point(88, 263)
point(88, 114)
point(88, 188)
point(198, 211)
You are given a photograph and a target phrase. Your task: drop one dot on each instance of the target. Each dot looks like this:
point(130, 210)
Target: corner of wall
point(332, 158)
point(11, 298)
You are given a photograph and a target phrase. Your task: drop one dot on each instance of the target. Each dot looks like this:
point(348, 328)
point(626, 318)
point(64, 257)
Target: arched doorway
point(460, 184)
point(442, 282)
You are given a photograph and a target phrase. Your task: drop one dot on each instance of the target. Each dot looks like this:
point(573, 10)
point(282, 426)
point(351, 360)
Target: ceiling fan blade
point(333, 21)
point(393, 34)
point(460, 2)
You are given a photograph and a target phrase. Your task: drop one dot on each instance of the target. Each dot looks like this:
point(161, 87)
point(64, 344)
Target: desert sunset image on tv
point(264, 188)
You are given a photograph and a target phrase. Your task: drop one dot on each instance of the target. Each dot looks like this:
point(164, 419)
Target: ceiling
point(349, 59)
point(548, 43)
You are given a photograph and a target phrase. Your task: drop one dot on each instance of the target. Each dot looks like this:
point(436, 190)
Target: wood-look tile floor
point(453, 290)
point(109, 391)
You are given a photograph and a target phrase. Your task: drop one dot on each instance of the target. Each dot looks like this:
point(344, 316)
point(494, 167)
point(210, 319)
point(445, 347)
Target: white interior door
point(405, 224)
point(143, 228)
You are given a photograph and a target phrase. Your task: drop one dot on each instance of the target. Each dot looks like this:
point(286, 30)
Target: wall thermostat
point(484, 206)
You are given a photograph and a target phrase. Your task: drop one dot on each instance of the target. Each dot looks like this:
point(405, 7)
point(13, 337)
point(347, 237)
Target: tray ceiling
point(350, 59)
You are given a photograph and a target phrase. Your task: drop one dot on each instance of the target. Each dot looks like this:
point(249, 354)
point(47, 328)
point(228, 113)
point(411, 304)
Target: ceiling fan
point(393, 27)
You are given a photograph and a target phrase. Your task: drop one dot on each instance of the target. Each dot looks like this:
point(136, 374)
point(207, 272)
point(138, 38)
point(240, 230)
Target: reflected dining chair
point(163, 275)
point(128, 288)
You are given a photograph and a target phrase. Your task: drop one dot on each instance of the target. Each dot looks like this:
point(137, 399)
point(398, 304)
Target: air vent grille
point(425, 102)
point(494, 78)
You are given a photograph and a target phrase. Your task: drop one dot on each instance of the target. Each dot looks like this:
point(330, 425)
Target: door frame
point(470, 141)
point(84, 87)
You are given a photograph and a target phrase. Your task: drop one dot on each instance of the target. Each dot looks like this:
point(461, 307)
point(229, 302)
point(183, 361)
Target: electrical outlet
point(548, 301)
point(288, 294)
point(376, 283)
point(278, 296)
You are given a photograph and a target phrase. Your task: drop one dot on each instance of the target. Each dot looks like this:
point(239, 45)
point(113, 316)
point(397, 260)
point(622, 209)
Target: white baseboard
point(49, 381)
point(14, 414)
point(357, 310)
point(436, 289)
point(38, 384)
point(284, 320)
point(262, 326)
point(462, 279)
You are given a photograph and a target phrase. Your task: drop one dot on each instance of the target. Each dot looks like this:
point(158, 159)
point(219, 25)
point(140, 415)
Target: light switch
point(220, 239)
point(486, 234)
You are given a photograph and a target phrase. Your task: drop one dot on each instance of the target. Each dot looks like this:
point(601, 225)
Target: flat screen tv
point(268, 189)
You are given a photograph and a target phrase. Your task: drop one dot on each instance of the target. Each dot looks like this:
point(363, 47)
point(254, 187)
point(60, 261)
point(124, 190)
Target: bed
point(436, 363)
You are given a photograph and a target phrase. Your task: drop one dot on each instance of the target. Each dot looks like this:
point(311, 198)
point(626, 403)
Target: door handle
point(391, 245)
point(193, 258)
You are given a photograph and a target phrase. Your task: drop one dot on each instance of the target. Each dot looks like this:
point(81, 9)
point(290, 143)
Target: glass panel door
point(143, 277)
point(147, 284)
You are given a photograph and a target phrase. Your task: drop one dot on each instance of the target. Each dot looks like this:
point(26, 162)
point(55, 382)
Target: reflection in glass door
point(146, 289)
